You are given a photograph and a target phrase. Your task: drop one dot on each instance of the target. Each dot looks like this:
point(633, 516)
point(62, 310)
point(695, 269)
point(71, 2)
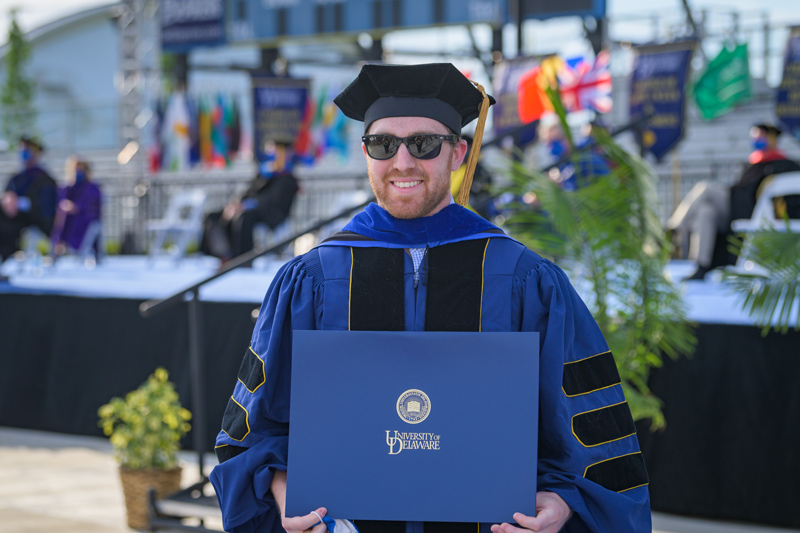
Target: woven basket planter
point(136, 485)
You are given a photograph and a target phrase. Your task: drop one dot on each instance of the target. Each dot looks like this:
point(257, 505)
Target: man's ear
point(459, 151)
point(772, 140)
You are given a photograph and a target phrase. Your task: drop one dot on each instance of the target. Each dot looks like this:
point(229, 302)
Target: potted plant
point(145, 429)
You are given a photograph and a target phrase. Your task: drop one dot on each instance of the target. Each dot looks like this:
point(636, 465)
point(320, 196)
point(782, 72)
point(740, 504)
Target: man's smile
point(406, 184)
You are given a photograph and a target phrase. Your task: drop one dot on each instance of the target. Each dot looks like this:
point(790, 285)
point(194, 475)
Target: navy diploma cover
point(414, 426)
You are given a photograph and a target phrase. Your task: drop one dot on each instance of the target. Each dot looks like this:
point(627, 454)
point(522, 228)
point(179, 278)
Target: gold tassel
point(472, 159)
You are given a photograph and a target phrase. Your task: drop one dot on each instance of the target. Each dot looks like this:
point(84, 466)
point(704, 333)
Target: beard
point(435, 194)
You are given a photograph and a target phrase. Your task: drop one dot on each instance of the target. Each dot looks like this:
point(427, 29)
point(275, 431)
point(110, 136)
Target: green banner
point(724, 84)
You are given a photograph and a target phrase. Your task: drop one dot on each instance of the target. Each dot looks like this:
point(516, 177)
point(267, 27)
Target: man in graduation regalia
point(29, 199)
point(418, 261)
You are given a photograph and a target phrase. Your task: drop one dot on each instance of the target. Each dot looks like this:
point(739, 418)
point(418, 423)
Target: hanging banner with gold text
point(658, 92)
point(186, 24)
point(279, 107)
point(787, 98)
point(506, 91)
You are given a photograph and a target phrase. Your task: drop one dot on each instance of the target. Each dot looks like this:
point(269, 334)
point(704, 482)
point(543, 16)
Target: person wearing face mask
point(29, 199)
point(590, 164)
point(268, 199)
point(765, 160)
point(79, 204)
point(709, 208)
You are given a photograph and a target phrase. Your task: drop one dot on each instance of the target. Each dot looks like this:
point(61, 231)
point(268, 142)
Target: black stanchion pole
point(197, 377)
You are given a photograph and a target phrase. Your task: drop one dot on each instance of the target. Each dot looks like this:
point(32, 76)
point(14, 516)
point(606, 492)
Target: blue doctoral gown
point(588, 450)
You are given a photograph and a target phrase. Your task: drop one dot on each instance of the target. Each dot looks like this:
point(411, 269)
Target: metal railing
point(191, 295)
point(128, 206)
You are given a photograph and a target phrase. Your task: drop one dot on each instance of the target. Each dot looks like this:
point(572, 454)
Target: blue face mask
point(80, 175)
point(557, 148)
point(759, 143)
point(266, 169)
point(25, 154)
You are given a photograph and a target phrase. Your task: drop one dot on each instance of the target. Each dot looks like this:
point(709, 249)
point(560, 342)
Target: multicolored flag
point(506, 90)
point(175, 133)
point(533, 101)
point(155, 153)
point(204, 131)
point(233, 127)
point(304, 148)
point(585, 85)
point(219, 144)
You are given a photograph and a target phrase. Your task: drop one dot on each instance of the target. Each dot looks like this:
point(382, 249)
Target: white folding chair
point(94, 233)
point(265, 237)
point(183, 222)
point(342, 201)
point(786, 184)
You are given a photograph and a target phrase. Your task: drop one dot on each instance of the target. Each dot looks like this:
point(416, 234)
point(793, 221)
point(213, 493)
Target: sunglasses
point(421, 146)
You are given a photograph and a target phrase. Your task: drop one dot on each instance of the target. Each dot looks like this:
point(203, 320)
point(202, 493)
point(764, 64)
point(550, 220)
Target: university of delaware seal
point(413, 406)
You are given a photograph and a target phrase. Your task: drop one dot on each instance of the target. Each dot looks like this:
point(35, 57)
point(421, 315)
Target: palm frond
point(608, 235)
point(771, 289)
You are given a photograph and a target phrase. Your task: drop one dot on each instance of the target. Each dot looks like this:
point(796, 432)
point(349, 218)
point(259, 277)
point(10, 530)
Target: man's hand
point(552, 513)
point(304, 523)
point(232, 209)
point(295, 523)
point(68, 206)
point(9, 203)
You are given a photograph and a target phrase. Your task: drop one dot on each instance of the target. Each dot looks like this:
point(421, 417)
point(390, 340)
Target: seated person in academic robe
point(709, 208)
point(29, 199)
point(268, 199)
point(765, 161)
point(572, 173)
point(79, 205)
point(419, 261)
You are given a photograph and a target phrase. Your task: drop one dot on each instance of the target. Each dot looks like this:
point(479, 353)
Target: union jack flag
point(586, 86)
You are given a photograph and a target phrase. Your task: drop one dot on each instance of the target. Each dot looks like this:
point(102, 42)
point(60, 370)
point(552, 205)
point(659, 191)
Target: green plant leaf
point(146, 427)
point(608, 235)
point(770, 291)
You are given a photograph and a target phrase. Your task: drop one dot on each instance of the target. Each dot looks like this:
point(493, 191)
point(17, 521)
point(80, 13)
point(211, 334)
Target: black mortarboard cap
point(30, 141)
point(434, 90)
point(769, 128)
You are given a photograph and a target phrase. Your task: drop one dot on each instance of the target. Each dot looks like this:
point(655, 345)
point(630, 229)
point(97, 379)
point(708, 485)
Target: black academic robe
point(744, 192)
point(40, 190)
point(266, 200)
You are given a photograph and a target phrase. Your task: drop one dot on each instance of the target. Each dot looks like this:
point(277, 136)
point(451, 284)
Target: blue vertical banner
point(189, 23)
point(787, 98)
point(505, 88)
point(280, 106)
point(658, 92)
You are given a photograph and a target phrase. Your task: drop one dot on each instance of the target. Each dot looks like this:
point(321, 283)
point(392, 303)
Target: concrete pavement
point(69, 484)
point(65, 484)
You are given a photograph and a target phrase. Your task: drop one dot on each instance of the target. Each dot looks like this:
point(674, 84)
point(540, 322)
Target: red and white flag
point(587, 86)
